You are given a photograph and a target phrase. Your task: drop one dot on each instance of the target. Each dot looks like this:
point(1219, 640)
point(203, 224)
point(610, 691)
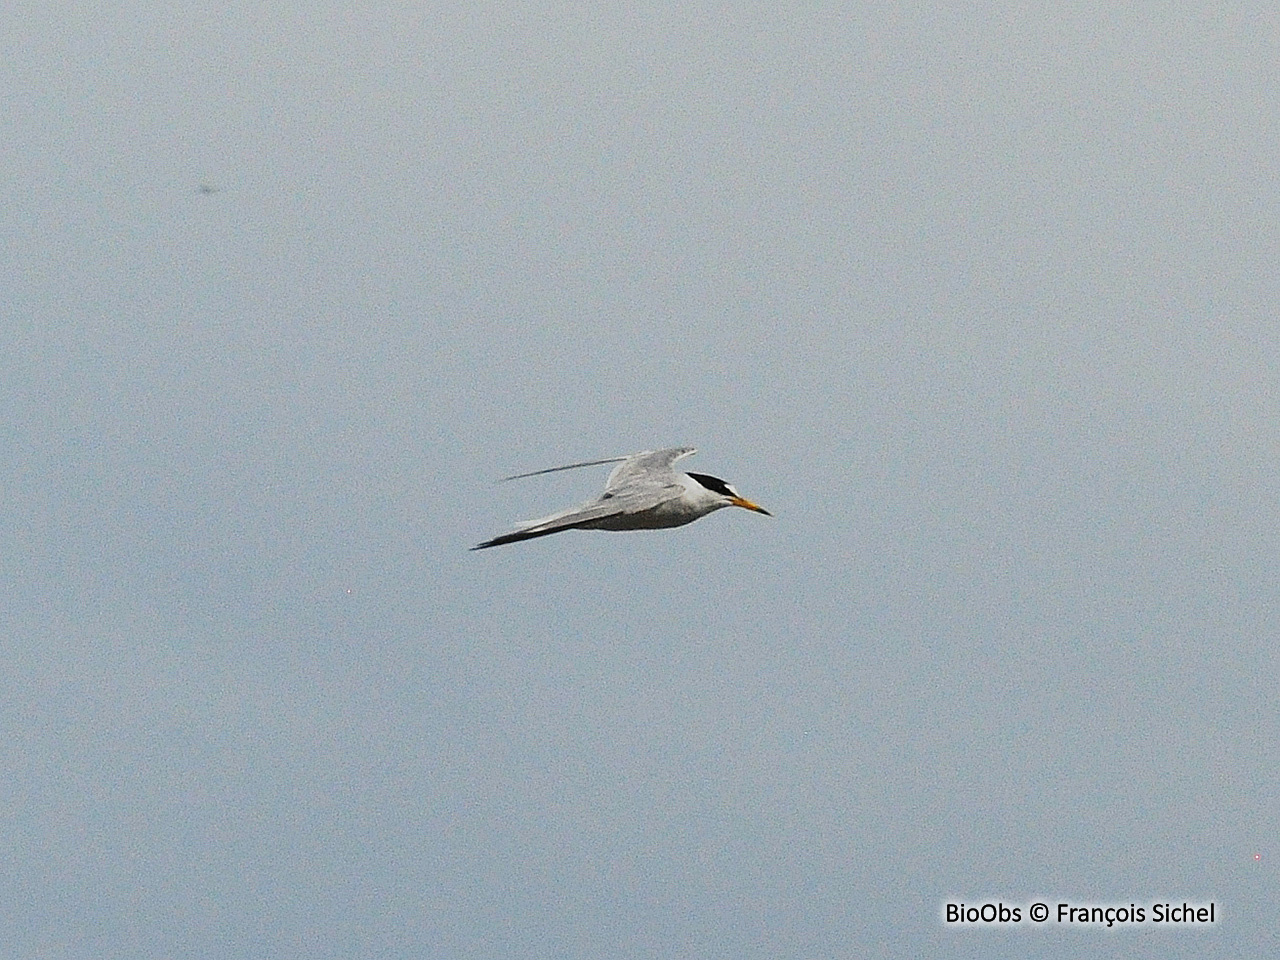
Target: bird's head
point(725, 492)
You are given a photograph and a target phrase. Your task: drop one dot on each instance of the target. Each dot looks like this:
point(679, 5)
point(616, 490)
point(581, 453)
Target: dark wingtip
point(514, 537)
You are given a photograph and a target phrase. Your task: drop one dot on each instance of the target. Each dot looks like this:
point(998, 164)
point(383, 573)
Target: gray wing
point(567, 466)
point(609, 505)
point(647, 468)
point(645, 464)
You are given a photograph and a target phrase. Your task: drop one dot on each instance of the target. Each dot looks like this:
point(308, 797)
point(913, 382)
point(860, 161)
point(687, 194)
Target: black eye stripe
point(714, 484)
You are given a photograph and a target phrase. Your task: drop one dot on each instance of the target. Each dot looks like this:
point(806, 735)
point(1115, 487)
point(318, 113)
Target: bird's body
point(644, 492)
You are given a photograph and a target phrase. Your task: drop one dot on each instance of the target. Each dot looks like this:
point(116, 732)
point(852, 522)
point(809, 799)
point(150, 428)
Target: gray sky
point(978, 299)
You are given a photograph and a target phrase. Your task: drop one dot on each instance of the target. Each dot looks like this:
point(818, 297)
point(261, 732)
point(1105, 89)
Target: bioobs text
point(985, 913)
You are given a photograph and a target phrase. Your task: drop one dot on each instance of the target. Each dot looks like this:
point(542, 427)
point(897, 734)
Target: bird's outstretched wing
point(647, 468)
point(643, 464)
point(567, 466)
point(610, 504)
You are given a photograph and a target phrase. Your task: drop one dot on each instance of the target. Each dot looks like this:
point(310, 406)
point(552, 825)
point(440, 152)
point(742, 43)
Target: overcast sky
point(978, 298)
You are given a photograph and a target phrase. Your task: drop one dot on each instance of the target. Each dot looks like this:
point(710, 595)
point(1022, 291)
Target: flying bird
point(644, 492)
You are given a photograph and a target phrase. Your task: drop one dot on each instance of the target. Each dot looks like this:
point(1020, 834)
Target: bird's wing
point(567, 466)
point(609, 505)
point(649, 468)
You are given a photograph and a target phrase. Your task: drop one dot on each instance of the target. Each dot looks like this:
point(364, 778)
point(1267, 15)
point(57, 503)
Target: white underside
point(673, 513)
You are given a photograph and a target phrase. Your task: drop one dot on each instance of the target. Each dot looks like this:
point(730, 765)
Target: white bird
point(644, 492)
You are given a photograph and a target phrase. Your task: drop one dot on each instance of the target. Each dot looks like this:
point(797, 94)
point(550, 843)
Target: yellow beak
point(748, 505)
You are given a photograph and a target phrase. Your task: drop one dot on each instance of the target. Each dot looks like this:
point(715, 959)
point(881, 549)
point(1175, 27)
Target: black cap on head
point(714, 484)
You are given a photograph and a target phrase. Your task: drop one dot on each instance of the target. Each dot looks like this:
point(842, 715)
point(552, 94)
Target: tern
point(644, 492)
